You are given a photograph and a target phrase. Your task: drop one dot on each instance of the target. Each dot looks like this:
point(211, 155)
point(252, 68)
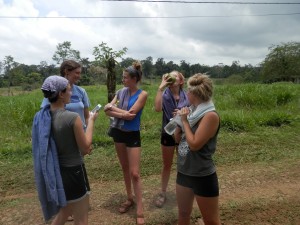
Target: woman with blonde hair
point(170, 97)
point(197, 136)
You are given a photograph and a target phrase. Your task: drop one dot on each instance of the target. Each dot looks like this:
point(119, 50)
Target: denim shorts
point(207, 186)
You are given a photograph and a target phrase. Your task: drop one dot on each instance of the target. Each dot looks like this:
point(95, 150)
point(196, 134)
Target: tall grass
point(259, 123)
point(244, 107)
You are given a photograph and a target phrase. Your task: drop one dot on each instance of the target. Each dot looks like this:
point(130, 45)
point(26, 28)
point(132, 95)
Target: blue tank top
point(133, 125)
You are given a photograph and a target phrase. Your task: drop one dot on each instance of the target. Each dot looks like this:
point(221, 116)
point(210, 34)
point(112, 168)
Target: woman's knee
point(135, 175)
point(211, 221)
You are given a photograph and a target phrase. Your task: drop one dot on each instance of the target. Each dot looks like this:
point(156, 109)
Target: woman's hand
point(107, 107)
point(184, 112)
point(128, 115)
point(164, 83)
point(93, 116)
point(175, 112)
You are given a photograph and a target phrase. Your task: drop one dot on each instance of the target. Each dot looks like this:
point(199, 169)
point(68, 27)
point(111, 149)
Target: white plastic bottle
point(171, 126)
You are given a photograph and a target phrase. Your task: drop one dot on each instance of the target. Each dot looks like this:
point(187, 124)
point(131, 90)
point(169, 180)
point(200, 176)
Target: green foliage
point(259, 123)
point(238, 121)
point(64, 51)
point(244, 107)
point(103, 54)
point(107, 58)
point(282, 63)
point(234, 79)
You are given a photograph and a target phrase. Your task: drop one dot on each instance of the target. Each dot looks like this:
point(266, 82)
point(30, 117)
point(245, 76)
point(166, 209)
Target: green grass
point(259, 123)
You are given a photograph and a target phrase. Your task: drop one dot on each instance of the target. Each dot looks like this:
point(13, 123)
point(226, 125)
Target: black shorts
point(207, 186)
point(75, 181)
point(167, 140)
point(130, 138)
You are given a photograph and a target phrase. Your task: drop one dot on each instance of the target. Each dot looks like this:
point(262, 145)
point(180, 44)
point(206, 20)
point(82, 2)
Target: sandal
point(125, 206)
point(140, 216)
point(161, 199)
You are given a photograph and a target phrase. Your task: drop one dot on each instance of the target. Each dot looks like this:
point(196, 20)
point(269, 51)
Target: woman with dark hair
point(80, 103)
point(126, 109)
point(59, 144)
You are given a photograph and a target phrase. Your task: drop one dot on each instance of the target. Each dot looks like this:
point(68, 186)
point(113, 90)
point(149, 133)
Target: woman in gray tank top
point(61, 176)
point(197, 137)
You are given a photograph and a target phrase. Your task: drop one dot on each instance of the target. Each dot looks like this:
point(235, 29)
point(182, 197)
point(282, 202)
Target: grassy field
point(260, 126)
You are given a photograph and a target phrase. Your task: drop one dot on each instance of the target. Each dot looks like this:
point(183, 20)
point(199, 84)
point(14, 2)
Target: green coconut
point(170, 78)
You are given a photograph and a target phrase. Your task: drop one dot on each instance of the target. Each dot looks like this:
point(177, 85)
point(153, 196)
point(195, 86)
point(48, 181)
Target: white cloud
point(205, 40)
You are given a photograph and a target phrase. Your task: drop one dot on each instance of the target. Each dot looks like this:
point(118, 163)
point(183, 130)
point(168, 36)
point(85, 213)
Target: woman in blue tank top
point(126, 109)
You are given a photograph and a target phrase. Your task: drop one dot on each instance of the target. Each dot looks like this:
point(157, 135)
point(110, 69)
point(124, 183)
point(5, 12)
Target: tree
point(235, 67)
point(32, 81)
point(97, 74)
point(9, 64)
point(1, 68)
point(64, 51)
point(185, 68)
point(147, 66)
point(282, 63)
point(171, 66)
point(107, 58)
point(160, 67)
point(85, 65)
point(126, 62)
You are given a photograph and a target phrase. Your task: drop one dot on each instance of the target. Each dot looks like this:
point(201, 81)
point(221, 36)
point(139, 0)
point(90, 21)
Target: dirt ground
point(250, 194)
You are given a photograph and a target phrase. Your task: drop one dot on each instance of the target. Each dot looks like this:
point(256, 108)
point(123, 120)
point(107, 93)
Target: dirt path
point(260, 195)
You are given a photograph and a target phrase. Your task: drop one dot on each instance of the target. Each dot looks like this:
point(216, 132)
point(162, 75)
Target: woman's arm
point(84, 140)
point(113, 111)
point(177, 134)
point(86, 115)
point(158, 97)
point(207, 128)
point(158, 100)
point(124, 114)
point(140, 103)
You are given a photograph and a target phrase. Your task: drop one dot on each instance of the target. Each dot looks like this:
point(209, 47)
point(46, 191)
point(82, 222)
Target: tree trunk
point(111, 79)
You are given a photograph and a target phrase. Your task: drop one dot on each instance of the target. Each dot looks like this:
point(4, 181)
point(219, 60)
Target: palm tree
point(107, 58)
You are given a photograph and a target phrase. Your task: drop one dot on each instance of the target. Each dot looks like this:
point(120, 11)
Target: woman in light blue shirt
point(80, 102)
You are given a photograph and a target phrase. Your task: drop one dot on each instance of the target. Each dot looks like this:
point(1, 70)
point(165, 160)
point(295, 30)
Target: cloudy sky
point(208, 34)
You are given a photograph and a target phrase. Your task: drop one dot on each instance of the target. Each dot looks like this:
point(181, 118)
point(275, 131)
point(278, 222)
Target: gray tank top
point(197, 163)
point(62, 128)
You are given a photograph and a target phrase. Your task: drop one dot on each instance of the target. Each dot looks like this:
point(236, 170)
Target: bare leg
point(62, 216)
point(167, 157)
point(79, 210)
point(123, 159)
point(209, 208)
point(185, 199)
point(134, 157)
